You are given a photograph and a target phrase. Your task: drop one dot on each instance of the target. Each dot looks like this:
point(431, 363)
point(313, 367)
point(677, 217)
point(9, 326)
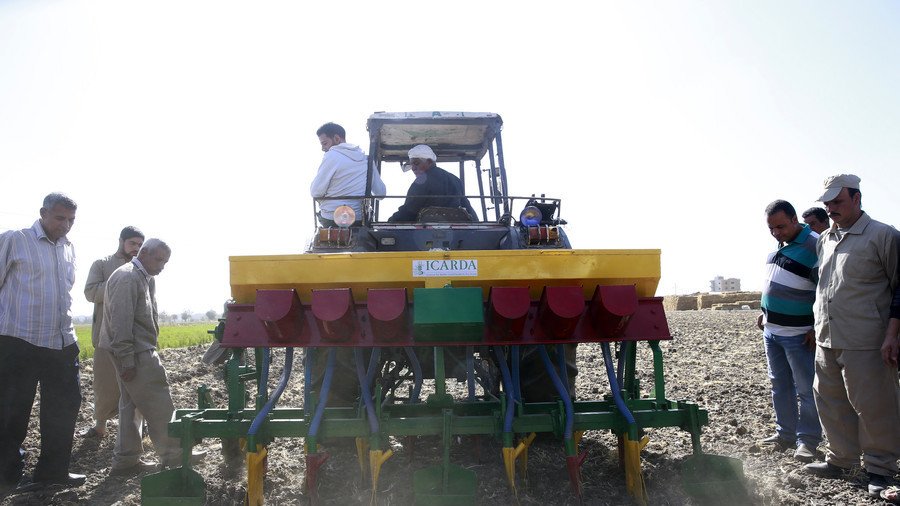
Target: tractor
point(499, 301)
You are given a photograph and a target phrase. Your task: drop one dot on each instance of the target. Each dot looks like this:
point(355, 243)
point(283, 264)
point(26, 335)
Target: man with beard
point(106, 387)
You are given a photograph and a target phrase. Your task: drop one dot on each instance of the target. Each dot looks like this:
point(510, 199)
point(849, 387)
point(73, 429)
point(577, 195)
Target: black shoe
point(805, 453)
point(69, 480)
point(777, 442)
point(140, 467)
point(877, 483)
point(824, 469)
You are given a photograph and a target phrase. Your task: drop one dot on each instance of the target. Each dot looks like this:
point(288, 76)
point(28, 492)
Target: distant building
point(720, 284)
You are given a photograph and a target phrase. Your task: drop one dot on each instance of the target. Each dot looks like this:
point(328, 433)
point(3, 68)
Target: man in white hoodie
point(342, 173)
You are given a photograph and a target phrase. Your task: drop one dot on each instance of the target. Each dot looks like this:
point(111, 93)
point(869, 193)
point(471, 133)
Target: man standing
point(342, 173)
point(106, 387)
point(38, 346)
point(856, 393)
point(433, 186)
point(787, 324)
point(130, 331)
point(817, 219)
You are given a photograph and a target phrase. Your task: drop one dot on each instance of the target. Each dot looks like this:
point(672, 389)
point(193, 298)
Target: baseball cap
point(834, 184)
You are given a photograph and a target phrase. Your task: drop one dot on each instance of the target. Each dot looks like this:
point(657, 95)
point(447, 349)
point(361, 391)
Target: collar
point(137, 263)
point(40, 234)
point(857, 228)
point(860, 225)
point(801, 237)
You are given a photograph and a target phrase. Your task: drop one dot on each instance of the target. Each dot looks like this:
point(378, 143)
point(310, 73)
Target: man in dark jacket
point(433, 187)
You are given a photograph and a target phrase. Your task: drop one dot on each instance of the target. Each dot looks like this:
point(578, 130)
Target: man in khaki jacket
point(856, 393)
point(106, 387)
point(130, 331)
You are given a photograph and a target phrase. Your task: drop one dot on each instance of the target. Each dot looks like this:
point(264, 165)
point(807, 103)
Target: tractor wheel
point(536, 383)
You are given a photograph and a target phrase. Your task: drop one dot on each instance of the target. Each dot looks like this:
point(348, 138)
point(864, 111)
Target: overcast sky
point(665, 125)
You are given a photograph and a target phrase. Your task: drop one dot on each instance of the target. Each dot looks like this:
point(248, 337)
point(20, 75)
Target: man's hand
point(889, 350)
point(759, 321)
point(810, 339)
point(128, 374)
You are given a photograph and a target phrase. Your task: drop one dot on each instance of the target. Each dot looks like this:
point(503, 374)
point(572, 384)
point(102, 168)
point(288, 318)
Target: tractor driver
point(433, 187)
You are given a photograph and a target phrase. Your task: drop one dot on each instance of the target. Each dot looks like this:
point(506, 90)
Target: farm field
point(715, 358)
point(170, 336)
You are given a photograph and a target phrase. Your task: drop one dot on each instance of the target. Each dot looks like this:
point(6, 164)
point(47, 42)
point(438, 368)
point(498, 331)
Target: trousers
point(23, 366)
point(148, 392)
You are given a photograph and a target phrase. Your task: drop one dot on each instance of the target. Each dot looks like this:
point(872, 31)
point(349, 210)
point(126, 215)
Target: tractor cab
point(469, 146)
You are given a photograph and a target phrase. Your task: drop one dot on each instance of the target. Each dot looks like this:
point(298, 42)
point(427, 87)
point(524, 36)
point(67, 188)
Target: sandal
point(891, 494)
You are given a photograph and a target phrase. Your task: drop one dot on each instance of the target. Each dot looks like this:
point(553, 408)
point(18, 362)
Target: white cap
point(834, 184)
point(422, 151)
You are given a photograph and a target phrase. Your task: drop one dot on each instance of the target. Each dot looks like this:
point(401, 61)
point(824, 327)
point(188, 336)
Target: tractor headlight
point(531, 216)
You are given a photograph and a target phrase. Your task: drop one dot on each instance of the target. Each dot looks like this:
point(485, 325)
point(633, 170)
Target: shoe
point(197, 457)
point(70, 480)
point(805, 453)
point(778, 442)
point(140, 467)
point(824, 469)
point(92, 433)
point(877, 483)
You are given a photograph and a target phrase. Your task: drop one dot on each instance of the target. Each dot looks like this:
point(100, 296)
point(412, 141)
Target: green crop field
point(170, 336)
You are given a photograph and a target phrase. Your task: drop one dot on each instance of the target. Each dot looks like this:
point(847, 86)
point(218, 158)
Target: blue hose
point(516, 377)
point(373, 364)
point(563, 367)
point(285, 376)
point(508, 388)
point(614, 385)
point(366, 391)
point(417, 373)
point(562, 390)
point(323, 395)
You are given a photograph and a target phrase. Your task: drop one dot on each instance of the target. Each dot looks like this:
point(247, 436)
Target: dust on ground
point(715, 358)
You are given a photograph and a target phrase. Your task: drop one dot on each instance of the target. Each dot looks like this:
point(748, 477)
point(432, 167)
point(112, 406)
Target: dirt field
point(716, 358)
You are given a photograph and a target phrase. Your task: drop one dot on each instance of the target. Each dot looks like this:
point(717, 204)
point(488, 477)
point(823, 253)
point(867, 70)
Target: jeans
point(792, 370)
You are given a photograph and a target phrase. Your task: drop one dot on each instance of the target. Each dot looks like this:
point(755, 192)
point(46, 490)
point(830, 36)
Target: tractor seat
point(443, 215)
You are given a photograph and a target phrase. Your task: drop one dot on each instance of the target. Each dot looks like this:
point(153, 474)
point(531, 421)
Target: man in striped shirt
point(787, 321)
point(38, 346)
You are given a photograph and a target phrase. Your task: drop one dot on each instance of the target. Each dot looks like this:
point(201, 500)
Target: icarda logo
point(444, 268)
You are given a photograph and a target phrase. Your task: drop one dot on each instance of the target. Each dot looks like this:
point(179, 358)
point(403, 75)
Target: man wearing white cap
point(856, 393)
point(433, 187)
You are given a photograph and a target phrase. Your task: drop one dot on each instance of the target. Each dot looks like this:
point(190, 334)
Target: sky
point(661, 124)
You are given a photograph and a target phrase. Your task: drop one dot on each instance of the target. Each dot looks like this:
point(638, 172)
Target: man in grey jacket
point(130, 331)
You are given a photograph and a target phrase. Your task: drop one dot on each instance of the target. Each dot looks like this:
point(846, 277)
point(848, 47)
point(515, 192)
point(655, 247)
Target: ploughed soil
point(715, 358)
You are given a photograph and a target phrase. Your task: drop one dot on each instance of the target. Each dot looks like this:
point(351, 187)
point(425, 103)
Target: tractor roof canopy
point(454, 136)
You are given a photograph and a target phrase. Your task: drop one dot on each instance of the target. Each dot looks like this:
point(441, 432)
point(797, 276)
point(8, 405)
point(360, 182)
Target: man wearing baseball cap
point(433, 187)
point(856, 393)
